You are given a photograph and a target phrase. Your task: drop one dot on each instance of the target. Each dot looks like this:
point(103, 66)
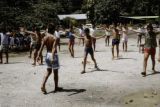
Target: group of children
point(120, 33)
point(51, 40)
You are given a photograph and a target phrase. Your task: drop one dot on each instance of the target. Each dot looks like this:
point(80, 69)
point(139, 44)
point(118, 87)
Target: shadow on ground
point(75, 91)
point(153, 74)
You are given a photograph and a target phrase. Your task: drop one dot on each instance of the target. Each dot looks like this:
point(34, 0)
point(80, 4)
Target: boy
point(149, 48)
point(4, 45)
point(50, 41)
point(38, 39)
point(115, 42)
point(88, 48)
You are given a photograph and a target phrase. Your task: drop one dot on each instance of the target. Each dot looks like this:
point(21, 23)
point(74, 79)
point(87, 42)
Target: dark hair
point(86, 30)
point(51, 28)
point(37, 29)
point(150, 27)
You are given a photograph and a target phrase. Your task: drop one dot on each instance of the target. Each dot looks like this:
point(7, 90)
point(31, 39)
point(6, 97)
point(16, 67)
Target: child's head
point(86, 31)
point(149, 27)
point(51, 28)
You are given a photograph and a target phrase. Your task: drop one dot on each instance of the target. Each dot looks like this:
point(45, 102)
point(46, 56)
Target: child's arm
point(78, 36)
point(30, 32)
point(157, 32)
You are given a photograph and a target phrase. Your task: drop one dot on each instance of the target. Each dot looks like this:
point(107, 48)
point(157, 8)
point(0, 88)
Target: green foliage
point(110, 10)
point(29, 12)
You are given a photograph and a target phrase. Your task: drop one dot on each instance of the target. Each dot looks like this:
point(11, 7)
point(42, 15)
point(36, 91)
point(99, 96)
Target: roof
point(75, 16)
point(140, 17)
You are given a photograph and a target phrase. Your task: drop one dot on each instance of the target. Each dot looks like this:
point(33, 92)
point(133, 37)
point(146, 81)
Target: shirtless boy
point(52, 61)
point(88, 48)
point(115, 42)
point(37, 36)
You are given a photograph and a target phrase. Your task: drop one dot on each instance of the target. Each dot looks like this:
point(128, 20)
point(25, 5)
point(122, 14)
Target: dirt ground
point(118, 83)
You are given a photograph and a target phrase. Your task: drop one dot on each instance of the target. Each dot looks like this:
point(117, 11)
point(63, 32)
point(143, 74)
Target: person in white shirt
point(125, 37)
point(4, 45)
point(81, 33)
point(92, 33)
point(108, 34)
point(140, 34)
point(57, 34)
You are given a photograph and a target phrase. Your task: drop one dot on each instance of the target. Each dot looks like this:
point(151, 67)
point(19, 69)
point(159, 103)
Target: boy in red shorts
point(149, 48)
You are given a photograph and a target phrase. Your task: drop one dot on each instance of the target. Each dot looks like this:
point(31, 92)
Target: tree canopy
point(27, 12)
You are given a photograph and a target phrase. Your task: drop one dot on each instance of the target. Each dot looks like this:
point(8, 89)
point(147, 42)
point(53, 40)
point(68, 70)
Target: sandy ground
point(118, 84)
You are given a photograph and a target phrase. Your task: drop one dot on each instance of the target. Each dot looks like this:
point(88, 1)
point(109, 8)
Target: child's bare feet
point(58, 89)
point(143, 73)
point(34, 64)
point(154, 71)
point(83, 72)
point(43, 90)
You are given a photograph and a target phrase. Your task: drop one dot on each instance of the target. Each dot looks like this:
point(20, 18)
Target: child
point(115, 42)
point(88, 48)
point(108, 34)
point(124, 37)
point(149, 48)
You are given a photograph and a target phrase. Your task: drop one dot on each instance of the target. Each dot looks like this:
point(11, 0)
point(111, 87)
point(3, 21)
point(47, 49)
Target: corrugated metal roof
point(75, 16)
point(141, 17)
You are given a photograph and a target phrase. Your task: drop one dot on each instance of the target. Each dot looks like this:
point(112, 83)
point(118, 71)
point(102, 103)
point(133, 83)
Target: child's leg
point(123, 46)
point(159, 55)
point(108, 40)
point(30, 51)
point(112, 51)
point(72, 50)
point(159, 50)
point(6, 53)
point(57, 88)
point(45, 78)
point(146, 56)
point(83, 41)
point(117, 48)
point(138, 39)
point(94, 60)
point(153, 60)
point(94, 44)
point(126, 46)
point(35, 56)
point(84, 63)
point(41, 59)
point(1, 57)
point(69, 46)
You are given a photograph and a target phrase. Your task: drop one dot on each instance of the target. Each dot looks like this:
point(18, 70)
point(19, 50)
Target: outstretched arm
point(30, 32)
point(41, 49)
point(157, 31)
point(78, 36)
